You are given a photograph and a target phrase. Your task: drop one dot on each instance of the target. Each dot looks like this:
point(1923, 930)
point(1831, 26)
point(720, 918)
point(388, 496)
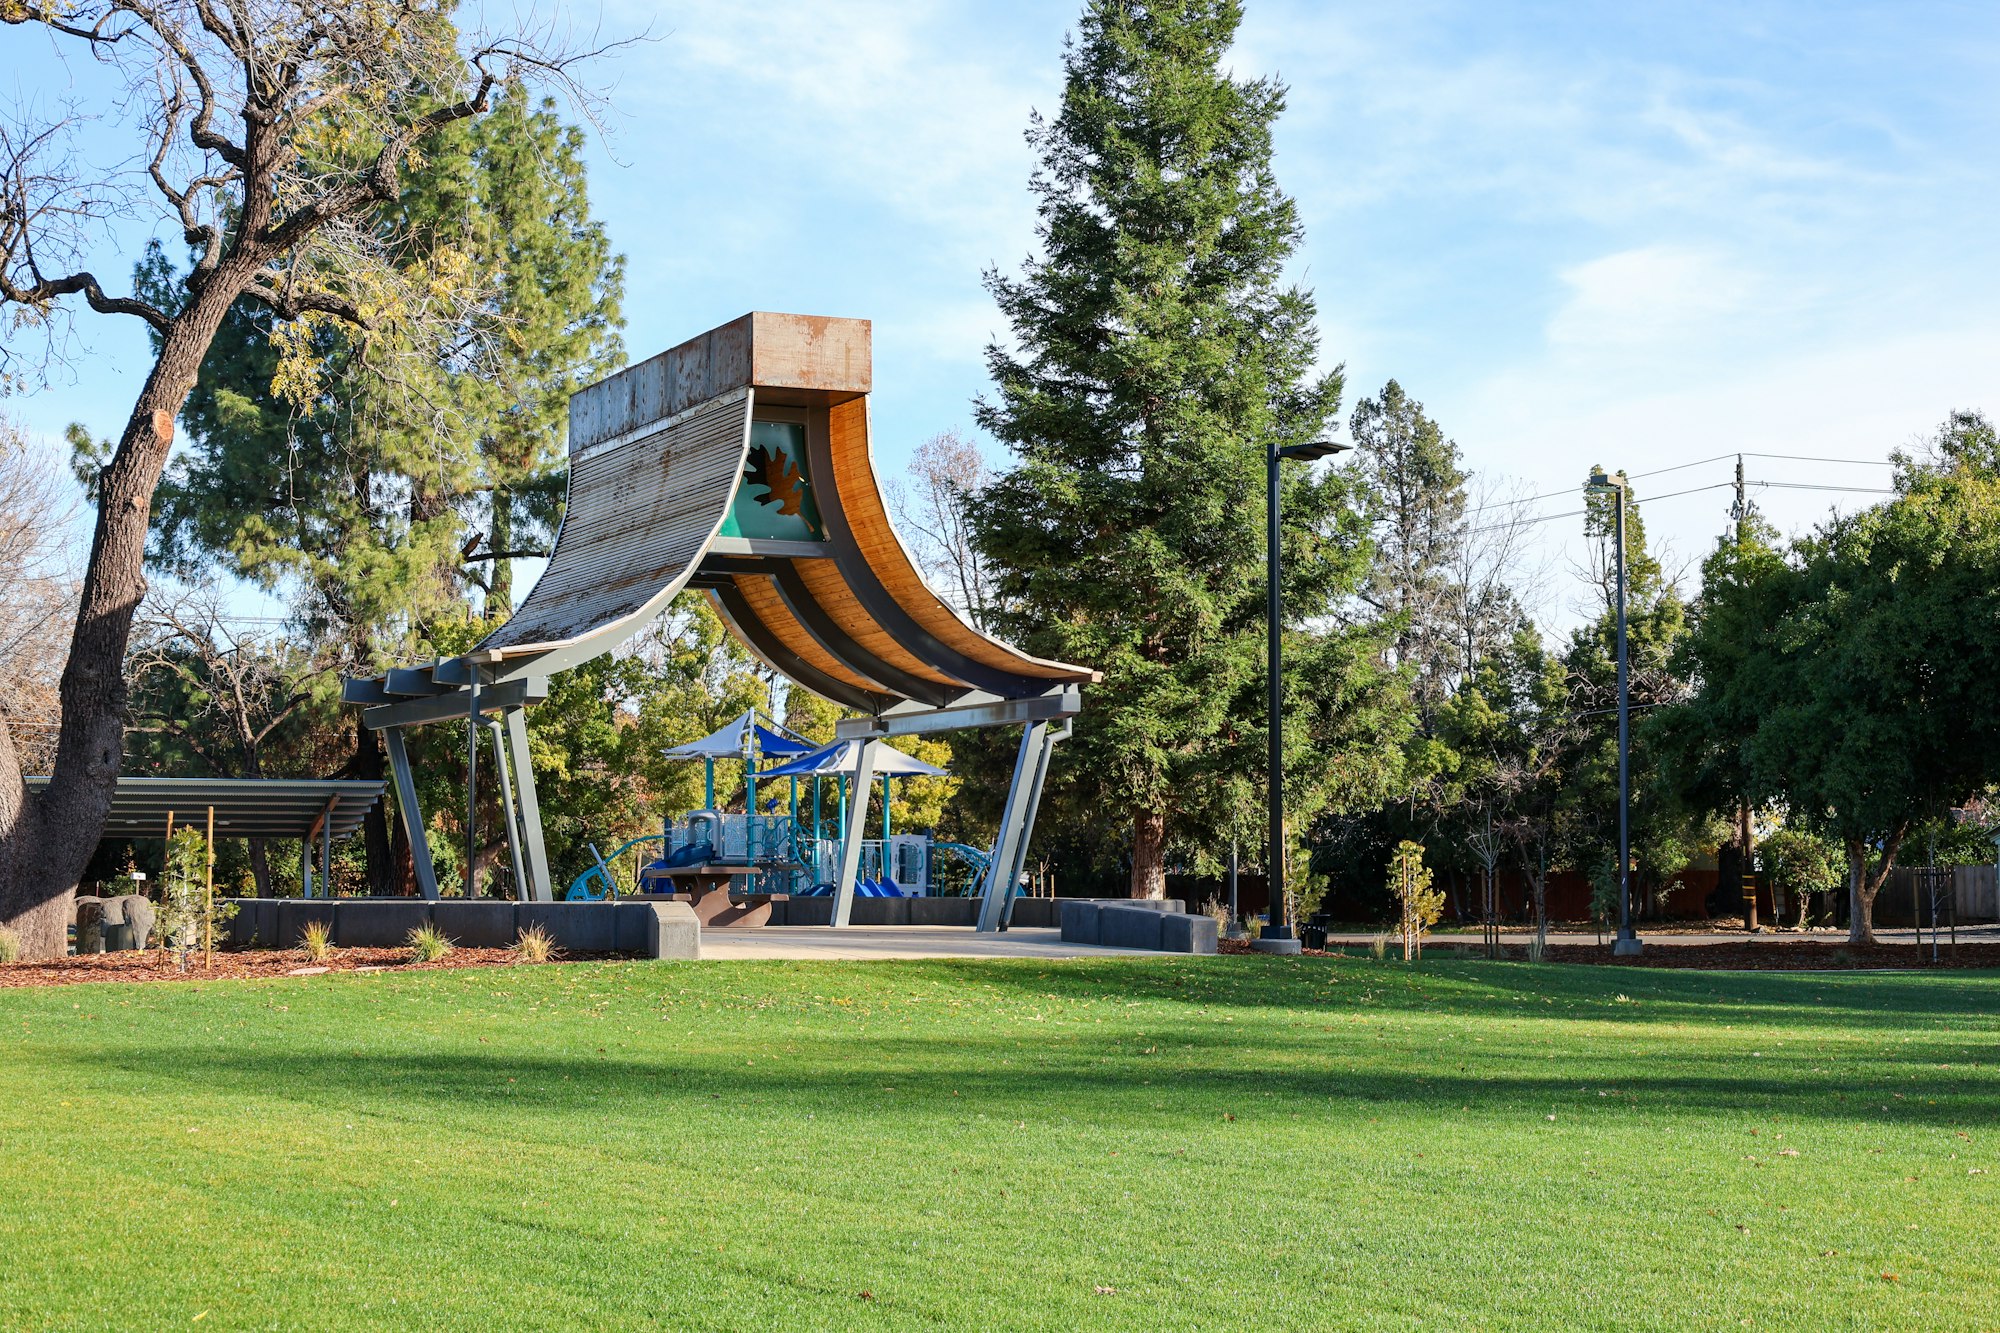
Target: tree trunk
point(260, 867)
point(1748, 877)
point(367, 766)
point(500, 579)
point(1863, 886)
point(1149, 854)
point(46, 839)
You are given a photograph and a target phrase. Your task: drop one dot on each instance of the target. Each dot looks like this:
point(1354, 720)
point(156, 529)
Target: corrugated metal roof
point(244, 807)
point(641, 512)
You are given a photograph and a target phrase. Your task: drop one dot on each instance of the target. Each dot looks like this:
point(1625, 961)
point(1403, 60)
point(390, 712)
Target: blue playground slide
point(863, 888)
point(593, 884)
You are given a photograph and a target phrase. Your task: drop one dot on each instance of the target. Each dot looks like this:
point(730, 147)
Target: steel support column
point(412, 816)
point(532, 850)
point(512, 811)
point(326, 849)
point(853, 831)
point(1013, 816)
point(1048, 749)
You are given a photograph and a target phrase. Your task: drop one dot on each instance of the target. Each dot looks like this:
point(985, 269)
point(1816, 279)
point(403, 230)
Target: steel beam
point(453, 706)
point(412, 815)
point(1062, 703)
point(532, 851)
point(854, 834)
point(416, 682)
point(1013, 817)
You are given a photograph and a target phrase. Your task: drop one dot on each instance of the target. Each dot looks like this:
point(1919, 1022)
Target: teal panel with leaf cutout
point(774, 499)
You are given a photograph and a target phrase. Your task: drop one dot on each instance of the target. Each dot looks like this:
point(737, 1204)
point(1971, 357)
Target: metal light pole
point(1627, 944)
point(1277, 937)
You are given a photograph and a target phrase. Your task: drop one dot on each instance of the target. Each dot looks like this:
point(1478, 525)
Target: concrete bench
point(1136, 924)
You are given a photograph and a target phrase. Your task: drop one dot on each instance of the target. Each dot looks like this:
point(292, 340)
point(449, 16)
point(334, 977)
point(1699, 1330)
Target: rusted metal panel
point(641, 511)
point(798, 354)
point(811, 352)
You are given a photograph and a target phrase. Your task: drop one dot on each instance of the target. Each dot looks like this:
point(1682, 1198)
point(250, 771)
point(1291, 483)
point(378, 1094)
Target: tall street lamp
point(1627, 944)
point(1278, 937)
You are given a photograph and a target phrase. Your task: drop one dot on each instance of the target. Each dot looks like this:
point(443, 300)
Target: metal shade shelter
point(845, 757)
point(738, 463)
point(736, 738)
point(311, 810)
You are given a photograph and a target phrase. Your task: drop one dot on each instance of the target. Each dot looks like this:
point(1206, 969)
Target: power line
point(1703, 462)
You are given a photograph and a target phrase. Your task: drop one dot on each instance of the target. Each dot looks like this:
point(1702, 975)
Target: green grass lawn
point(1143, 1143)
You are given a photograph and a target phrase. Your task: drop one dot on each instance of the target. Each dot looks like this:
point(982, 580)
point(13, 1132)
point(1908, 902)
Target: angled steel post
point(532, 850)
point(1050, 738)
point(511, 810)
point(326, 849)
point(413, 818)
point(853, 833)
point(1007, 842)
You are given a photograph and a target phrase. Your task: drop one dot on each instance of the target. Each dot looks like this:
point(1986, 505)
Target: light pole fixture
point(1628, 944)
point(1277, 936)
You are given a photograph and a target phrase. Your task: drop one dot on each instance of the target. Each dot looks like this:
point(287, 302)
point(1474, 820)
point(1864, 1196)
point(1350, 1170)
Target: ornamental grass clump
point(428, 944)
point(10, 946)
point(316, 941)
point(534, 945)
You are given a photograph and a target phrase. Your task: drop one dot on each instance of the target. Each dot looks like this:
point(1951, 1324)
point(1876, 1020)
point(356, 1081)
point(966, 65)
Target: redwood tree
point(271, 135)
point(1157, 354)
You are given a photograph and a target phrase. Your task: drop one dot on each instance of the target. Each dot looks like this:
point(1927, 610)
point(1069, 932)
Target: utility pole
point(1628, 943)
point(1740, 511)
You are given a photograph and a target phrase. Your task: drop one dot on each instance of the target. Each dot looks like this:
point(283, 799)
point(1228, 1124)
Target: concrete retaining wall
point(652, 928)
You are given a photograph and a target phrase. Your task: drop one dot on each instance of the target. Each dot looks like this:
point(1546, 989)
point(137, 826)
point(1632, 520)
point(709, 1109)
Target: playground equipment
point(794, 853)
point(738, 463)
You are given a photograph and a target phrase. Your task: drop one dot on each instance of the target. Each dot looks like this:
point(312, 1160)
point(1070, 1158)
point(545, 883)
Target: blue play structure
point(797, 853)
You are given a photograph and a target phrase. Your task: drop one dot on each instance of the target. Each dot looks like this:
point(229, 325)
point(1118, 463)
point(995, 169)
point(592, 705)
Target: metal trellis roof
point(244, 807)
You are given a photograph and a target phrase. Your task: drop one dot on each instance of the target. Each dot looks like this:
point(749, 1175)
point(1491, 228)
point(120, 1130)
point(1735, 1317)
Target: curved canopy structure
point(738, 463)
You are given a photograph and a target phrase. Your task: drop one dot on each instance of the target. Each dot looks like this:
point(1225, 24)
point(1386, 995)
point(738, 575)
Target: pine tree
point(359, 492)
point(1415, 498)
point(1157, 354)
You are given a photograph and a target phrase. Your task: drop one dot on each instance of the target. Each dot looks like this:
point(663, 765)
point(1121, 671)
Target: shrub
point(428, 944)
point(1218, 911)
point(10, 946)
point(1422, 905)
point(534, 946)
point(316, 941)
point(189, 915)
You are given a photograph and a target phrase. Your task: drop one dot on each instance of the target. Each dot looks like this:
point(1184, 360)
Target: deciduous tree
point(270, 138)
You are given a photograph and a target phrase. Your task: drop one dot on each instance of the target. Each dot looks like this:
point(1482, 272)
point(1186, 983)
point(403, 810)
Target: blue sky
point(1640, 234)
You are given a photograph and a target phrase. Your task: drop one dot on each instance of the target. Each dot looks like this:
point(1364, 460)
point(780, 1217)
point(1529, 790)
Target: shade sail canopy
point(734, 737)
point(244, 807)
point(845, 757)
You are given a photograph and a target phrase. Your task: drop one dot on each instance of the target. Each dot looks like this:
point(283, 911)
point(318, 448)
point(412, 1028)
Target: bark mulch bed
point(237, 965)
point(1778, 955)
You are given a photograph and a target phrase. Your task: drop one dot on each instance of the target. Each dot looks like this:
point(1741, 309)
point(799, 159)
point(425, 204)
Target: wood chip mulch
point(237, 965)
